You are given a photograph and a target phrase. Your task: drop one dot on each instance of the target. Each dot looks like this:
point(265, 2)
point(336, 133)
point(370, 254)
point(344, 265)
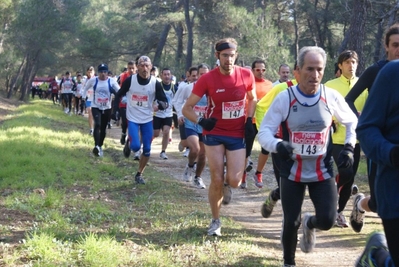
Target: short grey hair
point(314, 49)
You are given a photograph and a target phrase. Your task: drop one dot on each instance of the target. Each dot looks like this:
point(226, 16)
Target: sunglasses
point(263, 70)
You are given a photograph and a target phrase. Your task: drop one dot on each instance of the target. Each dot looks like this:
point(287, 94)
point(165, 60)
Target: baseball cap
point(102, 67)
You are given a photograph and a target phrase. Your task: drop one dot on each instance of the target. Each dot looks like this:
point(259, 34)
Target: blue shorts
point(88, 104)
point(190, 132)
point(230, 143)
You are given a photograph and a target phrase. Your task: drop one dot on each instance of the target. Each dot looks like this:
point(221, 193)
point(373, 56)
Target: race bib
point(200, 110)
point(308, 143)
point(233, 110)
point(102, 101)
point(140, 100)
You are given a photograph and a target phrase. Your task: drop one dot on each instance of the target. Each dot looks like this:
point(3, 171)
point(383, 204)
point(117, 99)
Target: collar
point(346, 80)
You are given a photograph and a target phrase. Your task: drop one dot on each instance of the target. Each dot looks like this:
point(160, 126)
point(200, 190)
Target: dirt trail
point(332, 247)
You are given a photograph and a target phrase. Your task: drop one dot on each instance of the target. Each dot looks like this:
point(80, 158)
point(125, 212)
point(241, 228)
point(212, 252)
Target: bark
point(190, 34)
point(357, 30)
point(15, 79)
point(161, 44)
point(179, 52)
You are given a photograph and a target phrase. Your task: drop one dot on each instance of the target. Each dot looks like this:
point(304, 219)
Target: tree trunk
point(15, 79)
point(179, 52)
point(161, 44)
point(357, 30)
point(190, 38)
point(294, 14)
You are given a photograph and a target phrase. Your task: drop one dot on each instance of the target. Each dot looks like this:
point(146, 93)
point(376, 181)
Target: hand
point(394, 156)
point(162, 105)
point(345, 158)
point(207, 124)
point(249, 129)
point(180, 120)
point(284, 150)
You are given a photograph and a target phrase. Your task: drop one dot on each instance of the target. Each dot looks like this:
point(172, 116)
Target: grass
point(61, 206)
point(77, 210)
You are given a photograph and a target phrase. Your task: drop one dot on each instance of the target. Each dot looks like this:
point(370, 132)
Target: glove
point(345, 157)
point(124, 100)
point(249, 129)
point(394, 156)
point(162, 105)
point(207, 124)
point(284, 150)
point(115, 116)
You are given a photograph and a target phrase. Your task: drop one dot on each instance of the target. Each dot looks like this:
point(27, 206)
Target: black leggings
point(101, 118)
point(122, 114)
point(345, 178)
point(324, 197)
point(68, 100)
point(275, 194)
point(391, 230)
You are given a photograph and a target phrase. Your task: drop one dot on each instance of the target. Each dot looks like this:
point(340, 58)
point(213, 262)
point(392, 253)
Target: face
point(166, 77)
point(284, 73)
point(227, 58)
point(131, 69)
point(90, 73)
point(202, 71)
point(259, 70)
point(144, 69)
point(103, 74)
point(194, 76)
point(348, 67)
point(79, 78)
point(311, 73)
point(393, 47)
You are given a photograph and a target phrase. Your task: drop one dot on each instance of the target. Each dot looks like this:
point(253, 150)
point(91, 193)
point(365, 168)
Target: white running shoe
point(341, 220)
point(308, 239)
point(185, 154)
point(137, 155)
point(188, 173)
point(199, 183)
point(215, 227)
point(227, 194)
point(163, 155)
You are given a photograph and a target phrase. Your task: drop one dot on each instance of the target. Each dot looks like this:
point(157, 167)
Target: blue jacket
point(378, 133)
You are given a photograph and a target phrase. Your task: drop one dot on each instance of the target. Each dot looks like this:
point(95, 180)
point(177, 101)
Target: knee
point(326, 222)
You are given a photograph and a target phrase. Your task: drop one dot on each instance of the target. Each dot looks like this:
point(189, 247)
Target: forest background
point(49, 37)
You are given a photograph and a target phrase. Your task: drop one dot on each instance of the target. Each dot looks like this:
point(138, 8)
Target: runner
point(144, 96)
point(347, 63)
point(305, 114)
point(163, 119)
point(103, 87)
point(196, 157)
point(378, 135)
point(88, 96)
point(224, 126)
point(284, 73)
point(263, 86)
point(67, 86)
point(366, 80)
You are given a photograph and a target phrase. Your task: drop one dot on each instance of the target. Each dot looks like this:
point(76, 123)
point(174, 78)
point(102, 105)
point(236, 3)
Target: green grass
point(89, 214)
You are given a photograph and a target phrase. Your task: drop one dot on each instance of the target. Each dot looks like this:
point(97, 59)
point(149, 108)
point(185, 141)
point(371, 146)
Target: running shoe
point(91, 132)
point(243, 184)
point(96, 151)
point(375, 241)
point(357, 216)
point(163, 155)
point(226, 194)
point(188, 173)
point(137, 155)
point(126, 149)
point(308, 239)
point(185, 154)
point(100, 153)
point(355, 190)
point(267, 206)
point(199, 183)
point(180, 147)
point(139, 179)
point(123, 139)
point(249, 165)
point(215, 227)
point(341, 220)
point(258, 180)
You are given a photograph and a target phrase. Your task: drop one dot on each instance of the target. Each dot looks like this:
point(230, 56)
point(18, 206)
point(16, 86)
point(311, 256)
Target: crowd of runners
point(305, 126)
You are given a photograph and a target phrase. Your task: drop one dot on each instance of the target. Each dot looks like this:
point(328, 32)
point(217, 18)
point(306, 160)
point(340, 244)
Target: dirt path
point(337, 247)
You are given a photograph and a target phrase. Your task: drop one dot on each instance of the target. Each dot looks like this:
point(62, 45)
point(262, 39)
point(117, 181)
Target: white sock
point(359, 206)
